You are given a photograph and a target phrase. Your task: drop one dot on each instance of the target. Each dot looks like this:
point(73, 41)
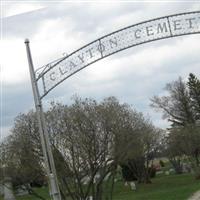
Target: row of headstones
point(186, 168)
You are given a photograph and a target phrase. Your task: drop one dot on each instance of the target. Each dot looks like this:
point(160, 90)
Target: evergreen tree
point(194, 91)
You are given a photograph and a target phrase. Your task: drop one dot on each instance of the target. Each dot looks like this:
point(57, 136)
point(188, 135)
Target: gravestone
point(133, 185)
point(1, 189)
point(186, 168)
point(21, 191)
point(8, 189)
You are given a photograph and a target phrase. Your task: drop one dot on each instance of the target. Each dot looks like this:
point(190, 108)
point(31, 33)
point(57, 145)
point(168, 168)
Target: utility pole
point(46, 146)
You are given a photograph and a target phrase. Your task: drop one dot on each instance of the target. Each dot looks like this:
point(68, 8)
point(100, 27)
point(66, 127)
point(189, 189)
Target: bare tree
point(82, 146)
point(21, 154)
point(176, 107)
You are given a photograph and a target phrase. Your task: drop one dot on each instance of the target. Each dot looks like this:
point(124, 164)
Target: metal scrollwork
point(57, 71)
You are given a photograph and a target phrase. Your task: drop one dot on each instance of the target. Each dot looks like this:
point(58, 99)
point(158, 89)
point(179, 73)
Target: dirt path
point(195, 196)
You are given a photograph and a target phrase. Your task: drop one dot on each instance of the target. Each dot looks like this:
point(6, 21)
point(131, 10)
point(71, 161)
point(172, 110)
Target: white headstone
point(133, 186)
point(1, 189)
point(8, 190)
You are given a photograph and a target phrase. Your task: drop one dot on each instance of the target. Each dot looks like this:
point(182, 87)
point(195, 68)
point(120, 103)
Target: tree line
point(92, 141)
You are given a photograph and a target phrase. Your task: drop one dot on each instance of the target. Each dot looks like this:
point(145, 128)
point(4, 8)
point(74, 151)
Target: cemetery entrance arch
point(57, 71)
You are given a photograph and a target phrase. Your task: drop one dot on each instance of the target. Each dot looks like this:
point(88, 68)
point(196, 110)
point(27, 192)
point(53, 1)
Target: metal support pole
point(46, 146)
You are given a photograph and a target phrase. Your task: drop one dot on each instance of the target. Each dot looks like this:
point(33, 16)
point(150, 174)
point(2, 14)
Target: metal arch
point(170, 26)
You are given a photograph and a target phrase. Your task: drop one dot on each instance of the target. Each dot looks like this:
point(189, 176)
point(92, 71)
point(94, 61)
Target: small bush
point(152, 172)
point(162, 164)
point(127, 174)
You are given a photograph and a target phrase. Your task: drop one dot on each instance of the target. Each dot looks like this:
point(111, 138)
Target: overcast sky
point(56, 27)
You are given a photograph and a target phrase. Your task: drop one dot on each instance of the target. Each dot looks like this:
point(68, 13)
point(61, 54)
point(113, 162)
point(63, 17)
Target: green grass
point(41, 191)
point(172, 187)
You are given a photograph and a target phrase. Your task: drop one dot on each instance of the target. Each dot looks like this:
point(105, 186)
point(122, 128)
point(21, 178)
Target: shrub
point(162, 164)
point(152, 172)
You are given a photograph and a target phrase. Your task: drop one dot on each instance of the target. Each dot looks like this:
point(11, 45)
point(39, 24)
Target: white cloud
point(4, 131)
point(16, 7)
point(49, 43)
point(13, 60)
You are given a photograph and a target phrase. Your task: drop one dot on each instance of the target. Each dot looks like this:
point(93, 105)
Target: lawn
point(172, 187)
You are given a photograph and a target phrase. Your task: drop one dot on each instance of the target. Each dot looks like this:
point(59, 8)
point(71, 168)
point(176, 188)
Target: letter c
point(52, 76)
point(137, 36)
